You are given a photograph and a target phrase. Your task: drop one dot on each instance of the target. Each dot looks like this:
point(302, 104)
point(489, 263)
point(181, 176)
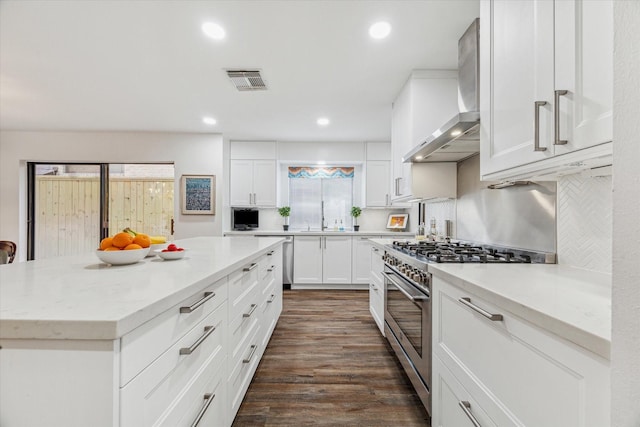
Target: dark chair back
point(10, 248)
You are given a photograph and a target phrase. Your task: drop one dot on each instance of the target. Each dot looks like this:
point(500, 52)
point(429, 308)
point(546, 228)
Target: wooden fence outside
point(68, 211)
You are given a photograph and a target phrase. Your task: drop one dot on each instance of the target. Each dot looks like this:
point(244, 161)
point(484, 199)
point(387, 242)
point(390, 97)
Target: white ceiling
point(146, 65)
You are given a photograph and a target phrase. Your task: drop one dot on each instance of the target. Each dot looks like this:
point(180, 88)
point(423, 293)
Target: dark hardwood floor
point(327, 364)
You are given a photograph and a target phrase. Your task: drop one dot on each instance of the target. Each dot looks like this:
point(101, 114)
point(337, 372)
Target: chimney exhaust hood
point(458, 139)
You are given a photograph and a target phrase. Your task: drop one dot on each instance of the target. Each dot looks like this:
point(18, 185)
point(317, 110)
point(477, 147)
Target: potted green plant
point(355, 213)
point(284, 212)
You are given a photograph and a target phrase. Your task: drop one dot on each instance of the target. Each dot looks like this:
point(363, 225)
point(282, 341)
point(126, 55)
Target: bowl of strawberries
point(171, 252)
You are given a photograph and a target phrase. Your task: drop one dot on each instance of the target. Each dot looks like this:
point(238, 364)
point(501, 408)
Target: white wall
point(625, 345)
point(191, 154)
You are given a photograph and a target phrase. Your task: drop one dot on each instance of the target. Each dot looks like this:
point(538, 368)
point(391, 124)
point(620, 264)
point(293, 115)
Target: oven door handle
point(404, 290)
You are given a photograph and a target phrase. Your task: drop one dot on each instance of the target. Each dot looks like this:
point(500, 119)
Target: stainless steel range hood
point(457, 139)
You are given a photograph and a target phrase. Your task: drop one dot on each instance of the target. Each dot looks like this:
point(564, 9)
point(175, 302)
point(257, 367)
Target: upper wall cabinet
point(378, 188)
point(427, 100)
point(252, 174)
point(546, 91)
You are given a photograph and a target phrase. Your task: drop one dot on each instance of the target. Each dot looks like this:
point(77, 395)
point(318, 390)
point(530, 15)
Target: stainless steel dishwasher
point(287, 262)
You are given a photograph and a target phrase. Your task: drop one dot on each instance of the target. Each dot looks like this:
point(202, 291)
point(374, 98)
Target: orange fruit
point(106, 243)
point(111, 248)
point(132, 246)
point(122, 239)
point(142, 240)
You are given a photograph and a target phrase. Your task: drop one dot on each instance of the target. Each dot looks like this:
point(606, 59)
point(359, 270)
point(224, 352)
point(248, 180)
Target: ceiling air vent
point(245, 80)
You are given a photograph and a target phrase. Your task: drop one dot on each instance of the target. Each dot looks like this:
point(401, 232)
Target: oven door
point(408, 316)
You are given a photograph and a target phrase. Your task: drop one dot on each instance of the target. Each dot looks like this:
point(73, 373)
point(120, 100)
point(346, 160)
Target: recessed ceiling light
point(213, 30)
point(456, 133)
point(321, 162)
point(419, 157)
point(380, 30)
point(322, 121)
point(209, 121)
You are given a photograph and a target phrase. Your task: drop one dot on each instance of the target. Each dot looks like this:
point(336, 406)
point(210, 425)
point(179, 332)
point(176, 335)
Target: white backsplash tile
point(585, 222)
point(441, 211)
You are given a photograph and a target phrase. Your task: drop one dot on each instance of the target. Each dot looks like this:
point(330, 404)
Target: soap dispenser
point(341, 226)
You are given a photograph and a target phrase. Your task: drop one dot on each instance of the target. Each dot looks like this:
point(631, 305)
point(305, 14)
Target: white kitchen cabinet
point(509, 369)
point(307, 259)
point(252, 183)
point(552, 60)
point(378, 192)
point(361, 259)
point(376, 287)
point(322, 260)
point(427, 100)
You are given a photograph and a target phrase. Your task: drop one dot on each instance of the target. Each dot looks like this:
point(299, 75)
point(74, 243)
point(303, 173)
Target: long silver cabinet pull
point(466, 407)
point(405, 292)
point(207, 296)
point(253, 308)
point(208, 330)
point(556, 116)
point(251, 267)
point(493, 317)
point(253, 351)
point(536, 127)
point(208, 398)
point(270, 300)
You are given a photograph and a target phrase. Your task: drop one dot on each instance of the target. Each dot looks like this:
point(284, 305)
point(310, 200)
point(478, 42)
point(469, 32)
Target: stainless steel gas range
point(408, 297)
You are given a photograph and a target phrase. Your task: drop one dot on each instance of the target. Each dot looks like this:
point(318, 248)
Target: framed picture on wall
point(198, 194)
point(397, 221)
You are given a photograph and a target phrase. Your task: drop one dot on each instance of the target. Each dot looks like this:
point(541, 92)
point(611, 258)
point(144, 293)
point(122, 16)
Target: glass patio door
point(71, 207)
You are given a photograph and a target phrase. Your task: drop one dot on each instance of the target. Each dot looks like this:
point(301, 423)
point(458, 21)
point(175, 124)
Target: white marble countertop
point(404, 234)
point(572, 303)
point(79, 297)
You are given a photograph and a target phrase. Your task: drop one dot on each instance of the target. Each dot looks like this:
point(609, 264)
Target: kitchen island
point(86, 343)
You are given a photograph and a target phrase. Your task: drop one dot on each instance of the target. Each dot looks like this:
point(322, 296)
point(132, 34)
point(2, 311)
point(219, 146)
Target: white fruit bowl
point(122, 257)
point(170, 255)
point(155, 247)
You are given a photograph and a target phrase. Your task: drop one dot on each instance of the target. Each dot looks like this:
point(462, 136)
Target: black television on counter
point(245, 219)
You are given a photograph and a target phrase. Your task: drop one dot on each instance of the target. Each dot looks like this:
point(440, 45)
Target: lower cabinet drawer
point(243, 367)
point(376, 304)
point(541, 379)
point(144, 344)
point(270, 313)
point(452, 405)
point(205, 401)
point(147, 396)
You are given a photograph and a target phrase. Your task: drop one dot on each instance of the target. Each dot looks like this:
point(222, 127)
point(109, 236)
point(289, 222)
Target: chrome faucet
point(308, 225)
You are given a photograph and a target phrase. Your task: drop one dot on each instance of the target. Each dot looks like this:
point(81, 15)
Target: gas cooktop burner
point(460, 252)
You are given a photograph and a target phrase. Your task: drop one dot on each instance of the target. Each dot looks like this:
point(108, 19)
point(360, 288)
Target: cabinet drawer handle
point(273, 267)
point(253, 308)
point(207, 296)
point(253, 351)
point(251, 267)
point(536, 127)
point(493, 317)
point(208, 398)
point(556, 117)
point(208, 330)
point(273, 297)
point(270, 253)
point(466, 407)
